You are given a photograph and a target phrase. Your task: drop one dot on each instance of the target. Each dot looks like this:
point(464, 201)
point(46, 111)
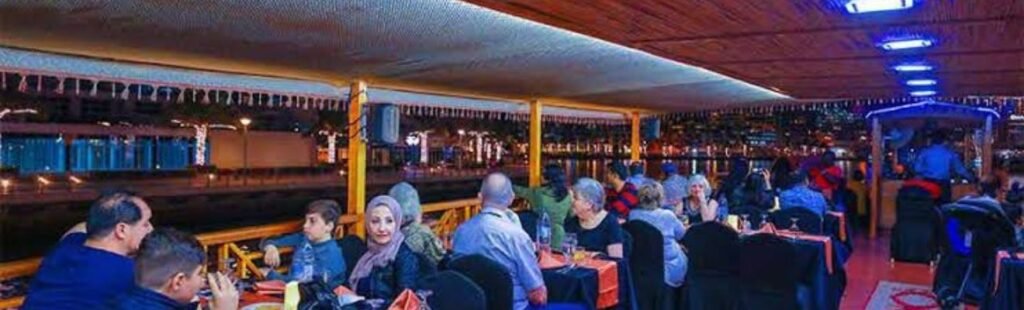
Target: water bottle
point(306, 263)
point(544, 232)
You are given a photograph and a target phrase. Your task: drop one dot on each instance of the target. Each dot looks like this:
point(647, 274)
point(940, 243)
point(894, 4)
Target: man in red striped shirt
point(621, 195)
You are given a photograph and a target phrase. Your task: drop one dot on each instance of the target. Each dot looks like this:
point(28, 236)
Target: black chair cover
point(990, 230)
point(712, 277)
point(426, 267)
point(491, 276)
point(352, 248)
point(452, 291)
point(918, 229)
point(647, 261)
point(627, 244)
point(753, 215)
point(529, 221)
point(807, 220)
point(769, 277)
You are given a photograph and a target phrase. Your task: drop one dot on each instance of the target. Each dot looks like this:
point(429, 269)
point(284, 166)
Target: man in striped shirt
point(621, 195)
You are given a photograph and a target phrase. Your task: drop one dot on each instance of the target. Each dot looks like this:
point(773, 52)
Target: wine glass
point(744, 223)
point(569, 248)
point(423, 294)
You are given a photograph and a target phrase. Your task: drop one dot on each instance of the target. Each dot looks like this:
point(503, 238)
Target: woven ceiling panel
point(433, 43)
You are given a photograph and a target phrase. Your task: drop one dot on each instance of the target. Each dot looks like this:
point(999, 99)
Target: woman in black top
point(595, 229)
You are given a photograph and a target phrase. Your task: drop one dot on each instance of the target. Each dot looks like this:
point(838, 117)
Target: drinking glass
point(569, 243)
point(764, 219)
point(794, 227)
point(744, 223)
point(423, 295)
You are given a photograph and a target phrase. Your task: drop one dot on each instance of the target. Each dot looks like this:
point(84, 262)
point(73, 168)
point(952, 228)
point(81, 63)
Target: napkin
point(270, 287)
point(406, 301)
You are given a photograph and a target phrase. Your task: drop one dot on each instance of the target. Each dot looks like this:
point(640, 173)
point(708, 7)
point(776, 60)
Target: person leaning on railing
point(551, 198)
point(92, 263)
point(418, 237)
point(320, 220)
point(389, 266)
point(169, 273)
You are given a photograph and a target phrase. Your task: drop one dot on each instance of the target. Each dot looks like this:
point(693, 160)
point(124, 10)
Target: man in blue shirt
point(169, 273)
point(91, 263)
point(494, 235)
point(802, 196)
point(937, 163)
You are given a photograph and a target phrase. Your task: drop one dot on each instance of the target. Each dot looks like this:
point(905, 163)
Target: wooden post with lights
point(535, 142)
point(356, 155)
point(876, 176)
point(986, 148)
point(634, 144)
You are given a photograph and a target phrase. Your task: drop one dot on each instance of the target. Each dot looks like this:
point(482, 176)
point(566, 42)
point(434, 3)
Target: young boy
point(168, 274)
point(317, 239)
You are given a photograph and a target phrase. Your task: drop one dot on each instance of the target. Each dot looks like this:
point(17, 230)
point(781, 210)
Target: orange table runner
point(826, 240)
point(999, 260)
point(607, 276)
point(842, 223)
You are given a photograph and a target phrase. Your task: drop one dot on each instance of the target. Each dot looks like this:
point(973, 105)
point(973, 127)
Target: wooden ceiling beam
point(732, 36)
point(866, 57)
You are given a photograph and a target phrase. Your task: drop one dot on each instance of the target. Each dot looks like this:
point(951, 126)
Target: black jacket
point(389, 281)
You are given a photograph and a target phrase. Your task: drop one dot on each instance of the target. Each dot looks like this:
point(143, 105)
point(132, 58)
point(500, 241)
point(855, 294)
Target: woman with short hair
point(652, 197)
point(596, 229)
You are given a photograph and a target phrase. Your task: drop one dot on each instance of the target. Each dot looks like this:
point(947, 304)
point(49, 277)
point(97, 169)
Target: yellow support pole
point(535, 142)
point(357, 155)
point(634, 145)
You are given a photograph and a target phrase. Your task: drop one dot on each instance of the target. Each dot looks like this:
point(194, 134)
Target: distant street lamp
point(245, 121)
point(4, 113)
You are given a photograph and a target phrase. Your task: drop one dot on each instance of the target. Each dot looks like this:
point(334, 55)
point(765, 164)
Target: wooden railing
point(226, 243)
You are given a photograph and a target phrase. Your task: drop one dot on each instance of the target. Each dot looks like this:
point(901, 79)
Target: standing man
point(621, 195)
point(937, 163)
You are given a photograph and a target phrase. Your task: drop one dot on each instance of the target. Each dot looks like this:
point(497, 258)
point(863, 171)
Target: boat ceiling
point(426, 45)
point(809, 49)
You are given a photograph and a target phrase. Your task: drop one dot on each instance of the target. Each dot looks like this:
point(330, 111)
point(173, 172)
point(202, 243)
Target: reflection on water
point(713, 168)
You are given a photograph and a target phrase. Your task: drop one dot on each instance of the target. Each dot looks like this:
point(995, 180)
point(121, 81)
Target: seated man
point(801, 196)
point(316, 240)
point(168, 273)
point(492, 234)
point(92, 263)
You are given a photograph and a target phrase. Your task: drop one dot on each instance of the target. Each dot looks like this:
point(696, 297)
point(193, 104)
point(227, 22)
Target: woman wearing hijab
point(389, 266)
point(418, 237)
point(552, 198)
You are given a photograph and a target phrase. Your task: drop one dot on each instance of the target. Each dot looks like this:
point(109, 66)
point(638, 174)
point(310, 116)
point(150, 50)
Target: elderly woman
point(389, 266)
point(595, 229)
point(699, 207)
point(652, 197)
point(552, 198)
point(418, 237)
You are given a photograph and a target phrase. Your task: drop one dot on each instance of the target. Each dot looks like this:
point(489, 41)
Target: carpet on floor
point(898, 295)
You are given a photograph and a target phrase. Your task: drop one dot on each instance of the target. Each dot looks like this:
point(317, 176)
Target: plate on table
point(264, 306)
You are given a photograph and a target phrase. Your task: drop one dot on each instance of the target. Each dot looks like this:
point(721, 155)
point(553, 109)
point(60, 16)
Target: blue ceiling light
point(921, 82)
point(922, 93)
point(912, 67)
point(868, 6)
point(902, 44)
